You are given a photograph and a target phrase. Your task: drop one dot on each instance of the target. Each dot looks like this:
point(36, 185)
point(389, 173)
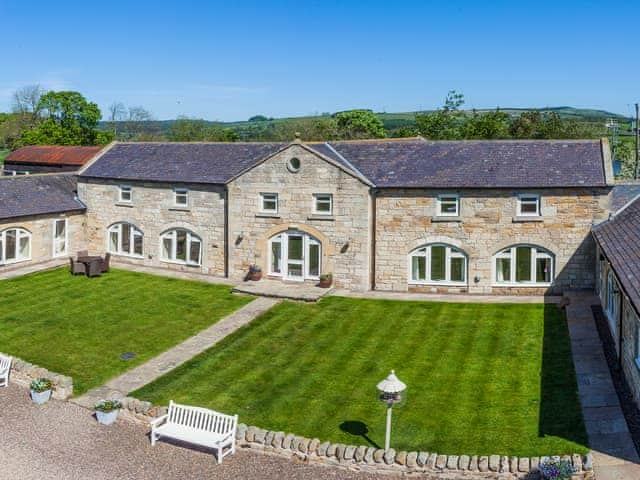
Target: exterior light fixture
point(391, 391)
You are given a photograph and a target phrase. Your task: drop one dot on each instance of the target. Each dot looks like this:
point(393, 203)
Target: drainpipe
point(226, 231)
point(372, 263)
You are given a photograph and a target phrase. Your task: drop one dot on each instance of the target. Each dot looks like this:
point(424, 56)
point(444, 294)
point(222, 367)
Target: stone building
point(501, 217)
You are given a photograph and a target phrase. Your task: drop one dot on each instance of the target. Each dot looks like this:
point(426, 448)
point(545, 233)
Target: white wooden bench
point(199, 426)
point(5, 368)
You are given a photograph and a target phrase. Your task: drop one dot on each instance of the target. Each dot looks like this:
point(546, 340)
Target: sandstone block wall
point(487, 225)
point(153, 212)
point(345, 235)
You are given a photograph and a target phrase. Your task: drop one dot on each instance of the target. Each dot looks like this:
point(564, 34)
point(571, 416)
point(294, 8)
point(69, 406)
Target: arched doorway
point(295, 255)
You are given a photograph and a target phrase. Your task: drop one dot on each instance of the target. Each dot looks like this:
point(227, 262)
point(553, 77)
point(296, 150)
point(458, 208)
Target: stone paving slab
point(300, 291)
point(33, 268)
point(165, 272)
point(147, 372)
point(457, 298)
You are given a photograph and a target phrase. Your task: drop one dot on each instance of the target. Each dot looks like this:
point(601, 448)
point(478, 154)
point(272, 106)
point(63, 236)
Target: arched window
point(437, 263)
point(181, 246)
point(125, 239)
point(15, 245)
point(524, 264)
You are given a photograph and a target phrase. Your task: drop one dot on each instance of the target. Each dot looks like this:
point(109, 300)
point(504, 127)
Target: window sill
point(267, 215)
point(437, 284)
point(524, 219)
point(125, 255)
point(173, 262)
point(124, 204)
point(326, 218)
point(444, 219)
point(13, 262)
point(522, 285)
point(179, 209)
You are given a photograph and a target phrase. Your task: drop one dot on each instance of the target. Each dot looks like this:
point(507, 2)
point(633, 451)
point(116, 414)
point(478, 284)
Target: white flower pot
point(40, 397)
point(107, 418)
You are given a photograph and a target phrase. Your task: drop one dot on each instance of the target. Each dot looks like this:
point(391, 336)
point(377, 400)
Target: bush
point(556, 469)
point(41, 385)
point(107, 406)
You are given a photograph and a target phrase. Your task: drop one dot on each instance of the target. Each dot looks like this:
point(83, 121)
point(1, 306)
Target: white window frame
point(307, 241)
point(440, 213)
point(510, 253)
point(528, 196)
point(613, 303)
point(190, 238)
point(56, 240)
point(450, 252)
point(322, 197)
point(275, 198)
point(20, 233)
point(180, 192)
point(122, 189)
point(133, 233)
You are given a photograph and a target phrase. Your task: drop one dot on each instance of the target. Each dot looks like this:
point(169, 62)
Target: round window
point(293, 164)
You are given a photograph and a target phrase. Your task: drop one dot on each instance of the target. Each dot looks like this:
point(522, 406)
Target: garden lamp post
point(390, 391)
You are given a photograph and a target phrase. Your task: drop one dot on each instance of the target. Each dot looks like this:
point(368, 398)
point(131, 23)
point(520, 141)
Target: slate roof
point(38, 194)
point(214, 163)
point(53, 155)
point(622, 194)
point(475, 164)
point(385, 163)
point(619, 239)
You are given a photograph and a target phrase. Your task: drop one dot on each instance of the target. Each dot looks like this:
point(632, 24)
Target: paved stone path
point(165, 272)
point(147, 372)
point(60, 440)
point(33, 268)
point(614, 455)
point(267, 287)
point(436, 297)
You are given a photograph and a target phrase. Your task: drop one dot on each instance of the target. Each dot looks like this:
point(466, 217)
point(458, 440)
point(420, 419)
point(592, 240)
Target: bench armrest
point(156, 422)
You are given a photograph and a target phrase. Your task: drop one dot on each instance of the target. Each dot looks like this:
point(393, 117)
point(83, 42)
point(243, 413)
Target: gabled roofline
point(331, 161)
point(93, 160)
point(351, 166)
point(607, 163)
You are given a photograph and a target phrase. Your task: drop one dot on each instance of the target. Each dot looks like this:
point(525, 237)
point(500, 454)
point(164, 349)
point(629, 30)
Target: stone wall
point(345, 235)
point(487, 224)
point(23, 373)
point(153, 212)
point(630, 347)
point(41, 228)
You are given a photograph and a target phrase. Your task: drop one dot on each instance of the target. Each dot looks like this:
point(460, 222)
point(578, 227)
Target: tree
point(445, 123)
point(308, 129)
point(487, 125)
point(258, 118)
point(68, 119)
point(117, 113)
point(26, 103)
point(359, 124)
point(190, 130)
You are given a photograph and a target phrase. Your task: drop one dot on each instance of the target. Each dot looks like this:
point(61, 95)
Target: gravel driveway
point(60, 440)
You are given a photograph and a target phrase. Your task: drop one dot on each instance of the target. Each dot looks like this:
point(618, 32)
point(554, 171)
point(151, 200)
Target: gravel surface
point(60, 440)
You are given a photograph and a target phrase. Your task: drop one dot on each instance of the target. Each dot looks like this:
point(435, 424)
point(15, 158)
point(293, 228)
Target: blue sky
point(230, 60)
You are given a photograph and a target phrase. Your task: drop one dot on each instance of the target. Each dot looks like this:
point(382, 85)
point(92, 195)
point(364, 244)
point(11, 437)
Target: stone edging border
point(23, 372)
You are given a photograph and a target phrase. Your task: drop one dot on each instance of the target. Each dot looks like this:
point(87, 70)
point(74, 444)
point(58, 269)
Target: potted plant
point(255, 273)
point(41, 390)
point(326, 279)
point(107, 411)
point(556, 469)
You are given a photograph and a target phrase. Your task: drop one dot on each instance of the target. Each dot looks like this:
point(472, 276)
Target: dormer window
point(528, 205)
point(181, 197)
point(126, 194)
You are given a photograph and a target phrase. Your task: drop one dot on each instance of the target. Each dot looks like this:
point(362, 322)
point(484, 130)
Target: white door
point(59, 237)
point(294, 256)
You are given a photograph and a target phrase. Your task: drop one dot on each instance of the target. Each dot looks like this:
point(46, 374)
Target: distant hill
point(247, 129)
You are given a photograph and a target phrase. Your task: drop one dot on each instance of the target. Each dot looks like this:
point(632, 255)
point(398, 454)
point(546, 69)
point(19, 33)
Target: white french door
point(59, 237)
point(294, 256)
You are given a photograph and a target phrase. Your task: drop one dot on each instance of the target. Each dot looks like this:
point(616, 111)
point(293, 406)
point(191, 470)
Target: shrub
point(107, 406)
point(41, 385)
point(326, 276)
point(556, 469)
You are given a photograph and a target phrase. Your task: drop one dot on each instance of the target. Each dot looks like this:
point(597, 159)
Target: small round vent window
point(293, 164)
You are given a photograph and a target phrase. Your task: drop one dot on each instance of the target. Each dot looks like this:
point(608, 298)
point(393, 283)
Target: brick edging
point(23, 372)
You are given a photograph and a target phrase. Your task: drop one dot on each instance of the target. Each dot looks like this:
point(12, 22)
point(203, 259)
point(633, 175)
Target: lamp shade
point(391, 384)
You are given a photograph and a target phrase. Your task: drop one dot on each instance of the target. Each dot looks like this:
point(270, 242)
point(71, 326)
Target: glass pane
point(503, 269)
point(457, 269)
point(523, 264)
point(194, 251)
point(269, 205)
point(166, 248)
point(543, 270)
point(529, 206)
point(181, 245)
point(137, 243)
point(295, 247)
point(11, 244)
point(126, 238)
point(113, 241)
point(323, 206)
point(276, 257)
point(419, 268)
point(25, 246)
point(314, 260)
point(295, 269)
point(438, 263)
point(1, 249)
point(60, 228)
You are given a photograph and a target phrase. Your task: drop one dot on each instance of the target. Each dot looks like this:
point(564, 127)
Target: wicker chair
point(94, 268)
point(76, 267)
point(105, 263)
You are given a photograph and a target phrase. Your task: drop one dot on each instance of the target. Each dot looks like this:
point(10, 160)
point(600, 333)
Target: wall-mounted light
point(476, 278)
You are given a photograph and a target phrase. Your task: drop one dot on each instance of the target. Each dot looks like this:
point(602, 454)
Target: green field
point(79, 326)
point(482, 379)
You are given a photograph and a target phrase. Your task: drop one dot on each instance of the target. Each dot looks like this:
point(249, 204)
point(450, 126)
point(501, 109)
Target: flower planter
point(107, 418)
point(325, 283)
point(40, 397)
point(254, 276)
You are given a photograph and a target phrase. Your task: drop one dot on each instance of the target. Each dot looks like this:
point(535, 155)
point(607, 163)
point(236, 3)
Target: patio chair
point(105, 263)
point(5, 368)
point(83, 253)
point(77, 268)
point(94, 268)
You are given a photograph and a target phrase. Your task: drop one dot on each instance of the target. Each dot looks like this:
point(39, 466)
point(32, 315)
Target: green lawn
point(79, 326)
point(483, 379)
